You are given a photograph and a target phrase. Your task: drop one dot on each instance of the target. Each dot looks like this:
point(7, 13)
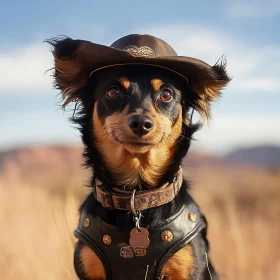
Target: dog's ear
point(208, 87)
point(69, 73)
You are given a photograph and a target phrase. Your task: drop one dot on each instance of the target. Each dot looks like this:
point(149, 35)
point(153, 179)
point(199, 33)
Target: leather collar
point(119, 199)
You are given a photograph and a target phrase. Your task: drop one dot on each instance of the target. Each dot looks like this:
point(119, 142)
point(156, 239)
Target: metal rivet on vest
point(107, 240)
point(86, 222)
point(166, 236)
point(192, 216)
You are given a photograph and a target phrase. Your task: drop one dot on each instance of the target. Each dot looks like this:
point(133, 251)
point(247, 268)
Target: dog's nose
point(140, 124)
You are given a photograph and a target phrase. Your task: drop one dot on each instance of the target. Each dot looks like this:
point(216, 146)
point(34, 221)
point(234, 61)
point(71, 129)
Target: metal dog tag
point(139, 241)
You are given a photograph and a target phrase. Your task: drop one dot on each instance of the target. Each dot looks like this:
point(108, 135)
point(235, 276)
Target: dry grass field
point(38, 212)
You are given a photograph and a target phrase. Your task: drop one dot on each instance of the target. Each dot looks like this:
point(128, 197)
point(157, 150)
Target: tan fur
point(158, 158)
point(129, 164)
point(180, 265)
point(156, 84)
point(91, 264)
point(70, 78)
point(125, 82)
point(207, 92)
point(115, 157)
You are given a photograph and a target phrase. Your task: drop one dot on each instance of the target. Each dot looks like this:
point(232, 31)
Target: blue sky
point(246, 32)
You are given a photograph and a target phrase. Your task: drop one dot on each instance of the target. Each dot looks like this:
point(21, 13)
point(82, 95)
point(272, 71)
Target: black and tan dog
point(134, 100)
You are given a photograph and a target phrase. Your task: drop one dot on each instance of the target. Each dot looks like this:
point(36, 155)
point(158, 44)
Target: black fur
point(139, 97)
point(153, 217)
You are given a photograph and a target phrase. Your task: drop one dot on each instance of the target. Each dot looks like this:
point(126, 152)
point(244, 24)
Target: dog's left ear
point(70, 75)
point(207, 86)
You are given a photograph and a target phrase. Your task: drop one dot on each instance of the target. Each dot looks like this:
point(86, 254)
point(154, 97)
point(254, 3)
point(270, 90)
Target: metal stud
point(86, 222)
point(166, 236)
point(107, 240)
point(192, 216)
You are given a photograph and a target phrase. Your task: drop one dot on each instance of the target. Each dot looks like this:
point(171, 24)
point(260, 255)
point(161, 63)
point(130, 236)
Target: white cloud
point(263, 84)
point(225, 132)
point(249, 9)
point(222, 133)
point(253, 68)
point(45, 126)
point(22, 69)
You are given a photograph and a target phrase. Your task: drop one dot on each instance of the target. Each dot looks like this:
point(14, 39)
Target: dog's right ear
point(69, 73)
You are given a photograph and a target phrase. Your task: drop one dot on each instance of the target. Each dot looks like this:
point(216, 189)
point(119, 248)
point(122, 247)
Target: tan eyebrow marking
point(156, 84)
point(124, 82)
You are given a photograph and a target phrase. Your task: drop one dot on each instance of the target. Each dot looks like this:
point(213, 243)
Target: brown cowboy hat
point(77, 60)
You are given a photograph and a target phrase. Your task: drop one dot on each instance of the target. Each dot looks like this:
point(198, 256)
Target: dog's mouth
point(137, 143)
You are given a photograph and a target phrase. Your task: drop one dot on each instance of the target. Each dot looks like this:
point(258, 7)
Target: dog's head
point(135, 119)
point(138, 108)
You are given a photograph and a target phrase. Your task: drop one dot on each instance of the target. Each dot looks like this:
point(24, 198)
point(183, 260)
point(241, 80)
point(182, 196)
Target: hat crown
point(144, 46)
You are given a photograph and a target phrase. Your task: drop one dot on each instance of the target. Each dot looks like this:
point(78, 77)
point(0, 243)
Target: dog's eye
point(113, 93)
point(166, 95)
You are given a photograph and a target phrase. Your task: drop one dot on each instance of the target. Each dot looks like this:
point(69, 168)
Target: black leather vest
point(116, 257)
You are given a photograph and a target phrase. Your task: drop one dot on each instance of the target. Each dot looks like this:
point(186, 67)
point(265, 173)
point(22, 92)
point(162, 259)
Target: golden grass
point(37, 218)
point(36, 237)
point(242, 208)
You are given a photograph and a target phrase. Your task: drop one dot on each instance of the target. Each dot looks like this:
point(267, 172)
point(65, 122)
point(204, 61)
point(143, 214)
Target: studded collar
point(121, 200)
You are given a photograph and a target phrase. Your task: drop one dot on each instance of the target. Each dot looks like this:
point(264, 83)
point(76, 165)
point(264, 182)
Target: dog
point(134, 102)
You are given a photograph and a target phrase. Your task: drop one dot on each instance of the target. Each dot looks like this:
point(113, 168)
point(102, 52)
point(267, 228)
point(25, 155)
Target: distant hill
point(23, 162)
point(262, 156)
point(197, 160)
point(30, 161)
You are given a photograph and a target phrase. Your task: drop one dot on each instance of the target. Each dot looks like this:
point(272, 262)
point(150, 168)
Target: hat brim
point(95, 57)
point(77, 60)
